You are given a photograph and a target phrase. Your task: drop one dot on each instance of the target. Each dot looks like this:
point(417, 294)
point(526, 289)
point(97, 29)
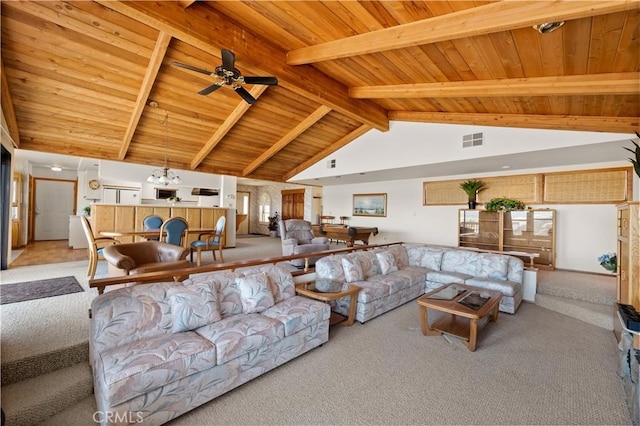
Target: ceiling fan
point(228, 74)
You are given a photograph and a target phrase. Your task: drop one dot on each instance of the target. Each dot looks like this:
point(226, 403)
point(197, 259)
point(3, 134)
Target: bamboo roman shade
point(602, 186)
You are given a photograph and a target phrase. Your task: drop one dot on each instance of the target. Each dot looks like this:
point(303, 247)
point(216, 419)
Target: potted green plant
point(273, 224)
point(502, 203)
point(87, 210)
point(472, 187)
point(636, 162)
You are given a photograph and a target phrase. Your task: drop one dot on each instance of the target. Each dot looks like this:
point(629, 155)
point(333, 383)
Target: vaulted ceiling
point(78, 78)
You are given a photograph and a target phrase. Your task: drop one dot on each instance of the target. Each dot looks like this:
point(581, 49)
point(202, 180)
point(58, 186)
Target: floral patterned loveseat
point(159, 350)
point(392, 276)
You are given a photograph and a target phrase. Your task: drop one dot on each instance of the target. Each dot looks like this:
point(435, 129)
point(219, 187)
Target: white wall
point(413, 144)
point(134, 175)
point(583, 232)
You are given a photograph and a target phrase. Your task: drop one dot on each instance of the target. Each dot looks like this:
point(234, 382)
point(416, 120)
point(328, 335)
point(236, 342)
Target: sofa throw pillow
point(492, 266)
point(352, 269)
point(255, 293)
point(192, 308)
point(432, 259)
point(387, 262)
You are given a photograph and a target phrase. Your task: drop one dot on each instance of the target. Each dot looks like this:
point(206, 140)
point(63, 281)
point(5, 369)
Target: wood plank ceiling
point(78, 77)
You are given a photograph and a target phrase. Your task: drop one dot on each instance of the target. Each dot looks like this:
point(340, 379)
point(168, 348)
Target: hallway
point(45, 252)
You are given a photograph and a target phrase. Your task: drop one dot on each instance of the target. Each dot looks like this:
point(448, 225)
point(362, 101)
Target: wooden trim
point(179, 274)
point(569, 85)
point(150, 76)
point(529, 121)
point(480, 20)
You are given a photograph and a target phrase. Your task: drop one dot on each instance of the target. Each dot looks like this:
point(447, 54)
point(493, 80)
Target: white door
point(54, 205)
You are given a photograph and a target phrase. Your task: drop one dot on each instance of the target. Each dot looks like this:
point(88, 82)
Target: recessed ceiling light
point(548, 27)
point(506, 167)
point(56, 168)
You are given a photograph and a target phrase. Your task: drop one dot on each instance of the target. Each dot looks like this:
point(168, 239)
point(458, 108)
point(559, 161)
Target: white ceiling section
point(419, 150)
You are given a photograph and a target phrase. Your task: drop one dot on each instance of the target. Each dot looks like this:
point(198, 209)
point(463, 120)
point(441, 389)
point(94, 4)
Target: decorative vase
point(472, 204)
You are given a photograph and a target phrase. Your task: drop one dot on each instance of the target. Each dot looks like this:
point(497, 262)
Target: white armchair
point(297, 238)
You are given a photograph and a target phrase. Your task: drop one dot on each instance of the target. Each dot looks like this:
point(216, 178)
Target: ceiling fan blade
point(244, 94)
point(228, 60)
point(212, 88)
point(192, 68)
point(271, 81)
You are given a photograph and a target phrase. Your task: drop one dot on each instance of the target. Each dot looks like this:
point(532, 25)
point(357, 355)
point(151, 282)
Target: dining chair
point(95, 246)
point(209, 241)
point(174, 231)
point(152, 221)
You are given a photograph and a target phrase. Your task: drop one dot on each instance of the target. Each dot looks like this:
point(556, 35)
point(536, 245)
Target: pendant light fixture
point(164, 176)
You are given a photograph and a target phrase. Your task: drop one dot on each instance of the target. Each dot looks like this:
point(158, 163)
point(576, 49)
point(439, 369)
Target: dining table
point(150, 233)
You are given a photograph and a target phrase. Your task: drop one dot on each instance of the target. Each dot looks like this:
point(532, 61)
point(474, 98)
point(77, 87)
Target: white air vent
point(331, 164)
point(475, 139)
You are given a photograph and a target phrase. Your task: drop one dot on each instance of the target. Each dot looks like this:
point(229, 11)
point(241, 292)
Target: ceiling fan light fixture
point(548, 27)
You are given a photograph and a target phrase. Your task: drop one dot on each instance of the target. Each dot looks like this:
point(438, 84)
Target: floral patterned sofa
point(395, 275)
point(159, 350)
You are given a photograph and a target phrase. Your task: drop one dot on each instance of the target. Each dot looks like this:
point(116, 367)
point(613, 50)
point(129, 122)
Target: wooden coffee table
point(458, 320)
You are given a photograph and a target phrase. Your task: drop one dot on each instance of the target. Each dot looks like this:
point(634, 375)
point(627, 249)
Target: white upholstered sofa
point(159, 350)
point(392, 276)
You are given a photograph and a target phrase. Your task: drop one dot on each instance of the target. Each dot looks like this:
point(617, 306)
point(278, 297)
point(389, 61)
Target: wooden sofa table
point(459, 319)
point(309, 290)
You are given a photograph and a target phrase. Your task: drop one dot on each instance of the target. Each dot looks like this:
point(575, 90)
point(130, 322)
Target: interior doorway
point(243, 216)
point(54, 203)
point(5, 174)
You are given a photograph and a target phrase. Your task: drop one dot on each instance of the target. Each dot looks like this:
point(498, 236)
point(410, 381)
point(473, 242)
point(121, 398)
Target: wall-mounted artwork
point(370, 205)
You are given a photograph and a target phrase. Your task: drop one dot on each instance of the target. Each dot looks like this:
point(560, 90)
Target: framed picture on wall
point(370, 205)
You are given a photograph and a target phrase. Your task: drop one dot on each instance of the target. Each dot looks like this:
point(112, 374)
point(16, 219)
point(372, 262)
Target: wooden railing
point(183, 273)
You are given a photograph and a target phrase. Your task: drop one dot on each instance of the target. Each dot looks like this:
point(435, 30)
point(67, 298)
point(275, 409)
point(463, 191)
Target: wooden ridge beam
point(589, 84)
point(554, 122)
point(327, 151)
point(225, 127)
point(480, 20)
point(8, 110)
point(312, 119)
point(162, 44)
point(202, 29)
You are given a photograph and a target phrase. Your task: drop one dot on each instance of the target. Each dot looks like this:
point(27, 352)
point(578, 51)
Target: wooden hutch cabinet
point(628, 254)
point(527, 231)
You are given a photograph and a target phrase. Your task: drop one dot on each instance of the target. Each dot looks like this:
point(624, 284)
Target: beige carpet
point(535, 368)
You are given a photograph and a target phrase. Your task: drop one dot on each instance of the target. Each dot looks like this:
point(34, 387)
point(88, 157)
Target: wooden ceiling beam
point(327, 151)
point(288, 138)
point(226, 126)
point(186, 3)
point(590, 84)
point(480, 20)
point(162, 44)
point(207, 30)
point(532, 121)
point(8, 110)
